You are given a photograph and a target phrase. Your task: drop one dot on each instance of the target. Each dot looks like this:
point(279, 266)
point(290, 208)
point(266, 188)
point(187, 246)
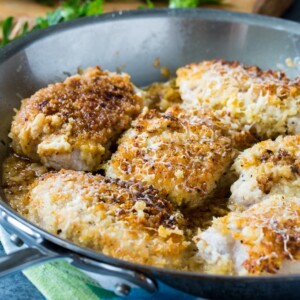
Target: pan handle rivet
point(16, 240)
point(122, 289)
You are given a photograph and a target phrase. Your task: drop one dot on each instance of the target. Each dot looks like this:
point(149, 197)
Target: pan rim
point(206, 14)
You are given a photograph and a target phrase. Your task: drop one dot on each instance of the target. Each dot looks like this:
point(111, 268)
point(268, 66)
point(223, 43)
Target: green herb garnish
point(149, 4)
point(72, 9)
point(191, 3)
point(7, 26)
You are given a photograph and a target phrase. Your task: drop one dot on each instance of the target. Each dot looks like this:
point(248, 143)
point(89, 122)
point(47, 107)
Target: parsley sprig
point(191, 3)
point(69, 10)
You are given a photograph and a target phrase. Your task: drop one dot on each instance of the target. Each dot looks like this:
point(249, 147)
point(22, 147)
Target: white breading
point(264, 239)
point(73, 124)
point(120, 219)
point(266, 103)
point(267, 168)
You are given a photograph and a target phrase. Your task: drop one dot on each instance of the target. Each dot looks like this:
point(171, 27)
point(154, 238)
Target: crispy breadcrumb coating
point(18, 174)
point(265, 239)
point(265, 103)
point(177, 153)
point(181, 153)
point(268, 168)
point(121, 219)
point(73, 124)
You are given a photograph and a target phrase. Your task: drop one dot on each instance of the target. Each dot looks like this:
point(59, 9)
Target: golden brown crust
point(261, 240)
point(278, 221)
point(181, 153)
point(122, 219)
point(121, 197)
point(17, 175)
point(263, 103)
point(86, 113)
point(269, 167)
point(270, 77)
point(85, 98)
point(279, 156)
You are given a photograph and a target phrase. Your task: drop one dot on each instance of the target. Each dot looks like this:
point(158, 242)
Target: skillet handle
point(39, 250)
point(31, 252)
point(134, 277)
point(21, 259)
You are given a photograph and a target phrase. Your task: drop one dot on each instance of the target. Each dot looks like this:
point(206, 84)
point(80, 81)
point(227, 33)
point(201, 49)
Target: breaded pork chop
point(73, 124)
point(120, 219)
point(181, 153)
point(263, 239)
point(264, 103)
point(268, 168)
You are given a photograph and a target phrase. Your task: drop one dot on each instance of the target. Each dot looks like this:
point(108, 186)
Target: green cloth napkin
point(59, 280)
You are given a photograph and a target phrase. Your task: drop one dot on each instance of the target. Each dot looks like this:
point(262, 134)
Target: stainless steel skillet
point(135, 39)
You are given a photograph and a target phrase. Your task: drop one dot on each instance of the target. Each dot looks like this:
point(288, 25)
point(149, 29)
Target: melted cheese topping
point(257, 241)
point(181, 153)
point(121, 219)
point(84, 114)
point(266, 103)
point(268, 168)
